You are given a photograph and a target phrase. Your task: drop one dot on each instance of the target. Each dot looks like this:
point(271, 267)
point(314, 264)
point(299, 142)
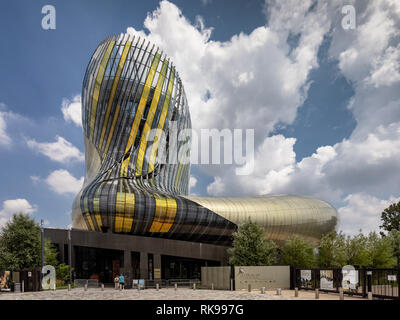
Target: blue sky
point(321, 138)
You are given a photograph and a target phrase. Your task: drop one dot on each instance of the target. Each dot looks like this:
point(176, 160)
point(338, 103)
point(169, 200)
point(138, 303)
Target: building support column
point(127, 269)
point(157, 266)
point(144, 265)
point(61, 252)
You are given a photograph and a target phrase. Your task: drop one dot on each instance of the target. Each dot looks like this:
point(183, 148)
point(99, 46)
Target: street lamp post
point(42, 240)
point(70, 255)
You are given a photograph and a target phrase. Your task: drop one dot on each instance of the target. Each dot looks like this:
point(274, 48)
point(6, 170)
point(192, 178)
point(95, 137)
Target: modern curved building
point(132, 96)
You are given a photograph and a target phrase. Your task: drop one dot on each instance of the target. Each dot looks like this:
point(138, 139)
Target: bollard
point(69, 287)
point(85, 288)
point(157, 286)
point(176, 286)
point(231, 284)
point(54, 287)
point(278, 291)
point(212, 286)
point(296, 292)
point(23, 286)
point(369, 295)
point(194, 285)
point(341, 294)
point(102, 287)
point(138, 287)
point(249, 287)
point(316, 293)
point(262, 290)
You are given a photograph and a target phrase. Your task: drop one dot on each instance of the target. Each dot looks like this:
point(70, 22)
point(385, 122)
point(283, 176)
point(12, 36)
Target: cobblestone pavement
point(162, 294)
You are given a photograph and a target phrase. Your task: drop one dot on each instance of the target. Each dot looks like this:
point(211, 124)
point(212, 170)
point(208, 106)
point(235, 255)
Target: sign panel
point(157, 273)
point(270, 277)
point(305, 278)
point(350, 278)
point(392, 277)
point(5, 281)
point(326, 279)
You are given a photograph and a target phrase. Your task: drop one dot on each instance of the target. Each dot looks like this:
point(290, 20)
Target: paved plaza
point(165, 294)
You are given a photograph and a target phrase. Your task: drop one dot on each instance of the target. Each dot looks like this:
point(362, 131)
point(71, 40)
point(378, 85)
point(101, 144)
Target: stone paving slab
point(163, 294)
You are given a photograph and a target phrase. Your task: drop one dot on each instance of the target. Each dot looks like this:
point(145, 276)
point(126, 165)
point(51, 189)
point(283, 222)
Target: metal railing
point(381, 283)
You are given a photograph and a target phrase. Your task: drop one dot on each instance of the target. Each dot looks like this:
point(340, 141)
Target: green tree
point(251, 248)
point(394, 237)
point(332, 251)
point(62, 272)
point(357, 250)
point(298, 253)
point(50, 253)
point(390, 217)
point(381, 251)
point(20, 243)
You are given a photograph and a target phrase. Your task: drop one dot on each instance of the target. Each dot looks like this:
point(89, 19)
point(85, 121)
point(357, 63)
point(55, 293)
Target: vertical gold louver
point(149, 120)
point(139, 113)
point(113, 90)
point(97, 85)
point(161, 121)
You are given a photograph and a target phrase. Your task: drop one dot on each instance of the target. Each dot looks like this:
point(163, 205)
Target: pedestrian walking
point(122, 282)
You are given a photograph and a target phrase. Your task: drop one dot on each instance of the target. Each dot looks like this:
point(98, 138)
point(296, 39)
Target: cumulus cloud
point(15, 206)
point(61, 150)
point(62, 182)
point(72, 110)
point(363, 212)
point(250, 81)
point(192, 181)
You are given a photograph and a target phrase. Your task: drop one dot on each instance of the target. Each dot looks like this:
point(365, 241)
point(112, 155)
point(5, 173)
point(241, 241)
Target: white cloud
point(15, 206)
point(362, 211)
point(253, 81)
point(72, 110)
point(62, 182)
point(217, 187)
point(61, 151)
point(5, 139)
point(192, 181)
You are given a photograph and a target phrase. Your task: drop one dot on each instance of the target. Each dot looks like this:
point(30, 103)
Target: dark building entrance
point(183, 268)
point(96, 263)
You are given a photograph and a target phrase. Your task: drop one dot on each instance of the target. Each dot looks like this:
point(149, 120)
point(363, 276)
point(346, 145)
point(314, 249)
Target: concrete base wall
point(270, 277)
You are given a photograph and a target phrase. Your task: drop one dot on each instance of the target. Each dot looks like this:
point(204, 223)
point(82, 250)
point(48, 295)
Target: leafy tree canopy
point(298, 253)
point(20, 243)
point(390, 217)
point(381, 251)
point(357, 250)
point(332, 250)
point(251, 248)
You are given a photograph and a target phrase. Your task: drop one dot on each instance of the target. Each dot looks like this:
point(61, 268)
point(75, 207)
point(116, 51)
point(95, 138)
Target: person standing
point(116, 281)
point(121, 282)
